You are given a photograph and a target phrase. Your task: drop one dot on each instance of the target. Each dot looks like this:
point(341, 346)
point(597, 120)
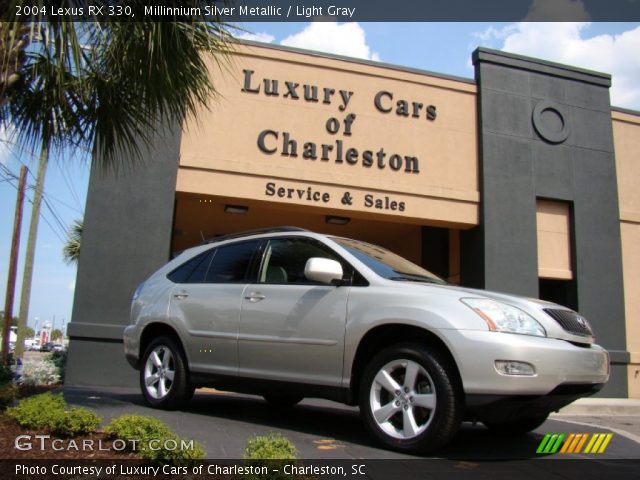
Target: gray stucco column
point(127, 235)
point(545, 132)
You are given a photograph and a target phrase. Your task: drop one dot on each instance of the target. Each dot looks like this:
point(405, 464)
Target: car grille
point(570, 321)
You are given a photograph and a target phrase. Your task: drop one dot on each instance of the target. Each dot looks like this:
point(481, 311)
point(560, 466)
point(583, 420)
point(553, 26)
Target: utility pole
point(13, 265)
point(25, 295)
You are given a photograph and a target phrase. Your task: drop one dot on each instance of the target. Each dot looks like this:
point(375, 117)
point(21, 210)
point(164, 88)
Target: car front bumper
point(556, 362)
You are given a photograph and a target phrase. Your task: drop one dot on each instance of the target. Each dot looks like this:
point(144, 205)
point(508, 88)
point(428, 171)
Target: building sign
point(347, 199)
point(286, 144)
point(310, 131)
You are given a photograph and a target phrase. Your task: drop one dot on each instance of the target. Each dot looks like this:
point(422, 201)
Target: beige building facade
point(409, 160)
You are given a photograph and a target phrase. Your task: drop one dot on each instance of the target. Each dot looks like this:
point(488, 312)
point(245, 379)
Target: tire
point(517, 427)
point(283, 400)
point(164, 376)
point(417, 414)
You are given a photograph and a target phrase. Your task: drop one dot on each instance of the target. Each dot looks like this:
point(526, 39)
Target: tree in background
point(104, 87)
point(56, 335)
point(71, 249)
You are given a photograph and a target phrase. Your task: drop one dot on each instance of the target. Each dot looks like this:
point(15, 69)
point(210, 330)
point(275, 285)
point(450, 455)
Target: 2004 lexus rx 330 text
point(287, 314)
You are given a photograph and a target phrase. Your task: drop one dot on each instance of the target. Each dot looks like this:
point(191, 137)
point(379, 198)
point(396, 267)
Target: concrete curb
point(602, 406)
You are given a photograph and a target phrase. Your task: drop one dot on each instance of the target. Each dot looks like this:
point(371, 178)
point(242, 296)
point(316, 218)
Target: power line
point(46, 220)
point(68, 182)
point(46, 196)
point(68, 178)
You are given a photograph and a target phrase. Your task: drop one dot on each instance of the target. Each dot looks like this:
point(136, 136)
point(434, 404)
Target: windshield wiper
point(415, 278)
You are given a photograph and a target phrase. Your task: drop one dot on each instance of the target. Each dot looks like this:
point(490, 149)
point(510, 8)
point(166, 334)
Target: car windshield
point(387, 264)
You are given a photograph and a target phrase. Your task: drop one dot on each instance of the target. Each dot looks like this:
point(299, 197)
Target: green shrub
point(150, 436)
point(50, 412)
point(130, 427)
point(270, 447)
point(76, 421)
point(59, 360)
point(37, 411)
point(273, 451)
point(8, 393)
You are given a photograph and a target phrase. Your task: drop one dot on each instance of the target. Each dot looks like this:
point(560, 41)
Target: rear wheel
point(283, 400)
point(410, 399)
point(517, 427)
point(164, 377)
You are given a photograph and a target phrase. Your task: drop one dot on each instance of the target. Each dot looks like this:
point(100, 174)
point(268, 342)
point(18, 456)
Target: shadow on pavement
point(312, 417)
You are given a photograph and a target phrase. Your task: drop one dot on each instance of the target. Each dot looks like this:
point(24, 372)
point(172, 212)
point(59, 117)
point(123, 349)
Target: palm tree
point(100, 86)
point(71, 250)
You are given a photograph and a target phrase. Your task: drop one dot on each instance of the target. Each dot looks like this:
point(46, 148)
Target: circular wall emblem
point(549, 122)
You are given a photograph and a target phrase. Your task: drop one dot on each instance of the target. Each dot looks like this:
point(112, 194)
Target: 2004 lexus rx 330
point(288, 314)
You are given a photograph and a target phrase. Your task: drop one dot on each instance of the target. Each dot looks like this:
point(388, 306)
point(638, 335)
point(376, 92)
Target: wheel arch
point(157, 329)
point(383, 336)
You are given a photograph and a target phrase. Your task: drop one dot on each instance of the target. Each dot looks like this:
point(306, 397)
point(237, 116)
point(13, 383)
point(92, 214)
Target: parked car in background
point(289, 314)
point(58, 347)
point(46, 347)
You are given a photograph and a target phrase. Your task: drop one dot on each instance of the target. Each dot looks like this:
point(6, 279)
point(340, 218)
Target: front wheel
point(410, 398)
point(164, 375)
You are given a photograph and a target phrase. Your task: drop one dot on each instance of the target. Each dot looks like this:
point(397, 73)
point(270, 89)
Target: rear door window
point(232, 263)
point(194, 270)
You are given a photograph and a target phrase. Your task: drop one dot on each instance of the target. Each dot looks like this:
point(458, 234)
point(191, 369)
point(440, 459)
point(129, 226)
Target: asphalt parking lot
point(320, 429)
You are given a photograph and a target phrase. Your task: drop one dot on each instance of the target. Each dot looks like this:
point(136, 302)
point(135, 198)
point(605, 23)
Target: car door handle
point(181, 295)
point(255, 297)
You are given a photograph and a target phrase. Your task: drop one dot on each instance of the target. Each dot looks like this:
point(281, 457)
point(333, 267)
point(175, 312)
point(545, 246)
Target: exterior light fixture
point(237, 209)
point(337, 220)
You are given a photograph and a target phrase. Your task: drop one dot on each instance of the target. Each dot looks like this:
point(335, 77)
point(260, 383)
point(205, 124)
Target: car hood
point(533, 306)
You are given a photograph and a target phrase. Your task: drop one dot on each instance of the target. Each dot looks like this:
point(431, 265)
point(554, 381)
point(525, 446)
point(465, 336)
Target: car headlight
point(501, 317)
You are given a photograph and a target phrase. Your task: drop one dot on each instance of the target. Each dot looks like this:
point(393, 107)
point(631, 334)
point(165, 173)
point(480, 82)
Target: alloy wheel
point(159, 372)
point(402, 399)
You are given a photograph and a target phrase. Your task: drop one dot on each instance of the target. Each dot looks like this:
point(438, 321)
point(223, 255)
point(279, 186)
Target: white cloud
point(347, 39)
point(567, 43)
point(257, 37)
point(72, 286)
point(541, 10)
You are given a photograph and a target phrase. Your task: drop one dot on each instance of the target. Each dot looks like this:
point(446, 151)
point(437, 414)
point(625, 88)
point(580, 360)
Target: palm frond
point(106, 87)
point(71, 249)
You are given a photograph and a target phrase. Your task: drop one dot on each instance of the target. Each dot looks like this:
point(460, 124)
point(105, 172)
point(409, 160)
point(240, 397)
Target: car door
point(206, 302)
point(292, 329)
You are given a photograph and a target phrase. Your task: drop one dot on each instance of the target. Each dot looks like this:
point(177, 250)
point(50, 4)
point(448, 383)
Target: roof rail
point(256, 231)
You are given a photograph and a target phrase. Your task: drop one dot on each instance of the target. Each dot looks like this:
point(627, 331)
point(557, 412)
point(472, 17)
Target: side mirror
point(323, 270)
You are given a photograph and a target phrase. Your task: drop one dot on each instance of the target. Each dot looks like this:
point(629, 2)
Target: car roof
point(248, 233)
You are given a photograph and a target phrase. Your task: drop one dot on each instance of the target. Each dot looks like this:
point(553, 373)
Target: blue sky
point(438, 47)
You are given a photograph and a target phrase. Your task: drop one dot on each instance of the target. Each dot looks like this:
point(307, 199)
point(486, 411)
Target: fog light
point(511, 367)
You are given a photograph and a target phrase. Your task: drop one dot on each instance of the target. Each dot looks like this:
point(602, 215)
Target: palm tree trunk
point(25, 295)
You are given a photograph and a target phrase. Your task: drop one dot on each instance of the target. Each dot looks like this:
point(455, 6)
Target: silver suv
point(288, 314)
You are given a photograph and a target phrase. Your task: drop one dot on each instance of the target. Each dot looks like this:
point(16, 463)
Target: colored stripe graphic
point(574, 443)
point(584, 439)
point(605, 443)
point(597, 443)
point(550, 443)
